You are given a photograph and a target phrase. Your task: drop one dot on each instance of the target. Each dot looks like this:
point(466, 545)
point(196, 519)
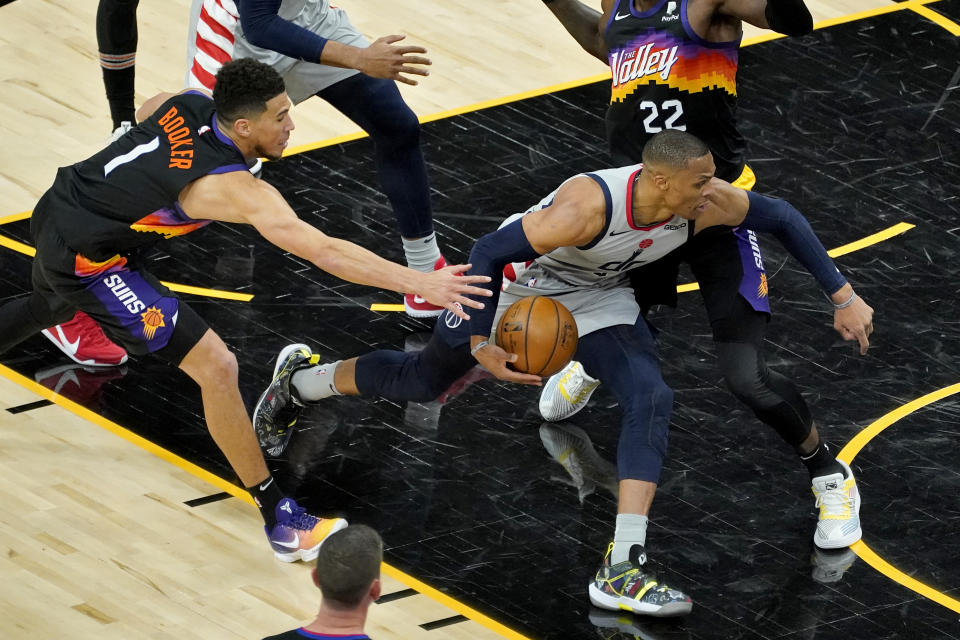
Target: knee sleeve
point(644, 433)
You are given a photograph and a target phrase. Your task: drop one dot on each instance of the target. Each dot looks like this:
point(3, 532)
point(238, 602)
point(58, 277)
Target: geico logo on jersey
point(674, 227)
point(641, 62)
point(123, 293)
point(757, 258)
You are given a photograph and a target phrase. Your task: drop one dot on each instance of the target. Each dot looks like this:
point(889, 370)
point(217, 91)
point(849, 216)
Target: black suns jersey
point(126, 196)
point(665, 76)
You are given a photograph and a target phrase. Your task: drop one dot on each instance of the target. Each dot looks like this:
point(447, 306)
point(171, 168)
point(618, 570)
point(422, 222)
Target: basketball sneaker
point(829, 565)
point(121, 131)
point(839, 502)
point(629, 586)
point(570, 446)
point(297, 534)
point(566, 392)
point(84, 342)
point(279, 406)
point(417, 307)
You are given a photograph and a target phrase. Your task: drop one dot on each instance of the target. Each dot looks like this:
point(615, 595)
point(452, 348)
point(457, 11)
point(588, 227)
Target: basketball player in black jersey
point(674, 65)
point(183, 167)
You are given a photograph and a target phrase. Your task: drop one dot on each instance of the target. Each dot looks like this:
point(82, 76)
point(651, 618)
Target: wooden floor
point(53, 111)
point(95, 539)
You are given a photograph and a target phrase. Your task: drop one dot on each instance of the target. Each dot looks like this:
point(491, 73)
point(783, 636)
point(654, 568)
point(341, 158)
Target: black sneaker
point(279, 407)
point(629, 586)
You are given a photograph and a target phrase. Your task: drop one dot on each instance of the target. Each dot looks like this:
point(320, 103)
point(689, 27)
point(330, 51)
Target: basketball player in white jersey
point(317, 51)
point(581, 242)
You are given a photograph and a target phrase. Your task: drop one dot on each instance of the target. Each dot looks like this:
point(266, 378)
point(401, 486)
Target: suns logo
point(762, 289)
point(152, 320)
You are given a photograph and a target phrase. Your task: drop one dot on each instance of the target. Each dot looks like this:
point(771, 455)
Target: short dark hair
point(673, 148)
point(348, 563)
point(243, 87)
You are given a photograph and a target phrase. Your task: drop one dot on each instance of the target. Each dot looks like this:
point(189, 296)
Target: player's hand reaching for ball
point(384, 59)
point(855, 321)
point(449, 289)
point(495, 360)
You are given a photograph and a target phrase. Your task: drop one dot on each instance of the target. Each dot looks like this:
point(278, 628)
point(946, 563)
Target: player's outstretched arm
point(584, 23)
point(239, 197)
point(789, 17)
point(853, 318)
point(575, 217)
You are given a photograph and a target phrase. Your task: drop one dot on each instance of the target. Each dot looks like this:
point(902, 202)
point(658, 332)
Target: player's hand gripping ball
point(542, 333)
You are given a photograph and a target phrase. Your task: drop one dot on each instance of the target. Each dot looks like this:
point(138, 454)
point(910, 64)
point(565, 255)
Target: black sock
point(267, 494)
point(117, 44)
point(820, 462)
point(119, 85)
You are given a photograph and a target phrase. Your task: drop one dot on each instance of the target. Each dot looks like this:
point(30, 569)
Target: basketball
point(542, 333)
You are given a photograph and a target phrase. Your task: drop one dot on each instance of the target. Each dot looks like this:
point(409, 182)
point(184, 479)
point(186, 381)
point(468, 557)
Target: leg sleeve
point(625, 359)
point(376, 105)
point(419, 376)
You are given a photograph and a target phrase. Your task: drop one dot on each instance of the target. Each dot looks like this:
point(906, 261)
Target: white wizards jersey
point(591, 280)
point(621, 246)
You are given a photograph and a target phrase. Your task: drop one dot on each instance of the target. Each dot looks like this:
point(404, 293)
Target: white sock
point(631, 530)
point(316, 383)
point(423, 253)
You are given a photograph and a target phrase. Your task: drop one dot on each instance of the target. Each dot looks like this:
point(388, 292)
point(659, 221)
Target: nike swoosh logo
point(264, 486)
point(620, 233)
point(293, 544)
point(621, 16)
point(73, 346)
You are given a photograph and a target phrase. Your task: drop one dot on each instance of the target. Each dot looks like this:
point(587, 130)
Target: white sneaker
point(566, 392)
point(839, 502)
point(120, 131)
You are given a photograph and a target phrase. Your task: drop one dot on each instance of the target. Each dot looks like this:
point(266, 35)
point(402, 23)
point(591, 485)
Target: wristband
point(844, 305)
point(480, 345)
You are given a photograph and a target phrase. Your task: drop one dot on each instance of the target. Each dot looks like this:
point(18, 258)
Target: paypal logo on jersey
point(671, 13)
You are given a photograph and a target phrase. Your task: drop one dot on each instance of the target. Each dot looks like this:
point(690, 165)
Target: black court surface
point(858, 125)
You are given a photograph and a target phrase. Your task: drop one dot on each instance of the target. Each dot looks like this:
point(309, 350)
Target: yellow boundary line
point(237, 492)
point(27, 250)
point(935, 17)
point(857, 245)
point(14, 217)
point(850, 451)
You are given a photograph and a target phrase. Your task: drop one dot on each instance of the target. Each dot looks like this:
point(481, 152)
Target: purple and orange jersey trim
point(660, 58)
point(168, 221)
point(87, 268)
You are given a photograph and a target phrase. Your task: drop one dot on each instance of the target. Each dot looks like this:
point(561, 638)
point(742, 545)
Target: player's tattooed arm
point(585, 24)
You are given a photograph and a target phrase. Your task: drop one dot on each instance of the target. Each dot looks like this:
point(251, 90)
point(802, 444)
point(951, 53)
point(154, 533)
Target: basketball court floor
point(120, 518)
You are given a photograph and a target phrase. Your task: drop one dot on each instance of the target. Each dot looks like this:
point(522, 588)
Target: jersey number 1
point(671, 109)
